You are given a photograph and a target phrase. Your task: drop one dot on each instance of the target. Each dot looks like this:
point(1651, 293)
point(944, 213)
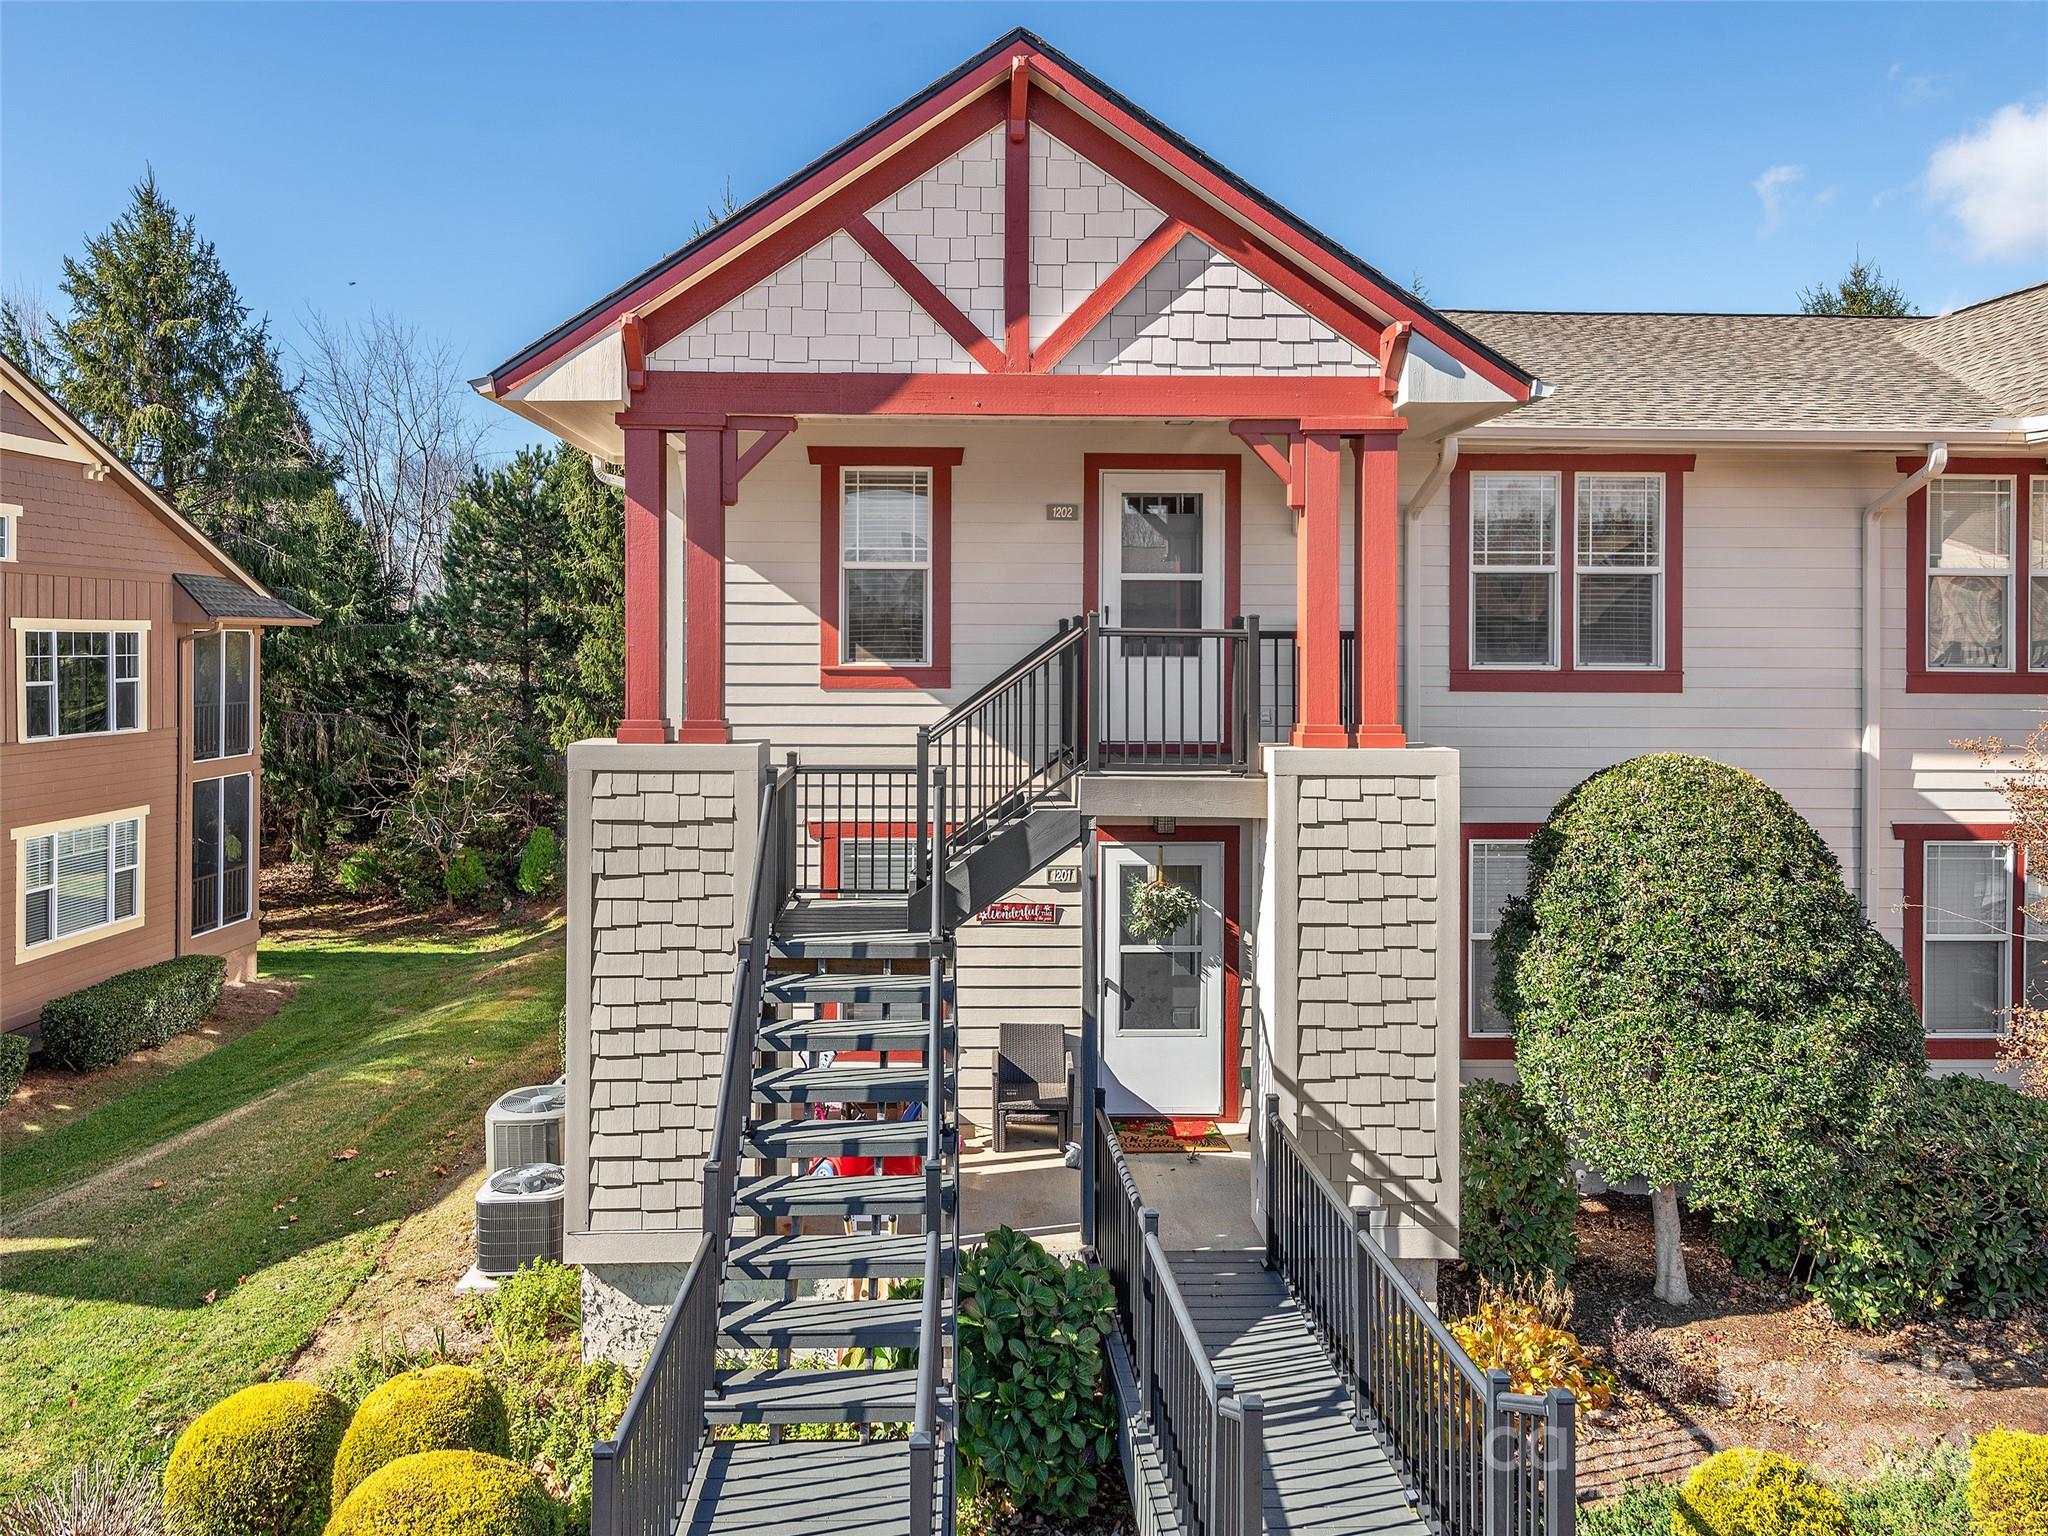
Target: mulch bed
point(1754, 1361)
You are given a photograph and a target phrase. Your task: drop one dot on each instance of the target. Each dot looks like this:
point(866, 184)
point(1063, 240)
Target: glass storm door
point(1162, 1000)
point(1162, 569)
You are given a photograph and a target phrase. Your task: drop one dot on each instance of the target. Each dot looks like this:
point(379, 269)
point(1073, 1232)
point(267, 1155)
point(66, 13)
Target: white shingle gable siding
point(950, 223)
point(1200, 312)
point(832, 310)
point(1084, 222)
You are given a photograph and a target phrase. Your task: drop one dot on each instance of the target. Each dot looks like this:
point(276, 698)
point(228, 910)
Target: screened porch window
point(1497, 868)
point(80, 879)
point(80, 682)
point(885, 565)
point(1514, 570)
point(223, 694)
point(220, 851)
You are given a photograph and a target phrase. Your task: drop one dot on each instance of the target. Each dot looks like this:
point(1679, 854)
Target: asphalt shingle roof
point(220, 598)
point(1974, 369)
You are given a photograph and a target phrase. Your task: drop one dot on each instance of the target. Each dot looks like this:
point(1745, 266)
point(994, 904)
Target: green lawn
point(207, 1266)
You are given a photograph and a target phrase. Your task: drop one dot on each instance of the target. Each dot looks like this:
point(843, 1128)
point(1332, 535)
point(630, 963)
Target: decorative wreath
point(1158, 910)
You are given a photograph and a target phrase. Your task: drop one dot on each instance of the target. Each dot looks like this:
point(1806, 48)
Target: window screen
point(1966, 927)
point(80, 879)
point(1514, 570)
point(1620, 570)
point(1969, 572)
point(885, 554)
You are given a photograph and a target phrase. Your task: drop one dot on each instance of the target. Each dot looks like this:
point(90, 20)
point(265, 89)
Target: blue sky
point(486, 170)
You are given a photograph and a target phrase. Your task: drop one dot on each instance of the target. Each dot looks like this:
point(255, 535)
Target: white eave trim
point(1913, 439)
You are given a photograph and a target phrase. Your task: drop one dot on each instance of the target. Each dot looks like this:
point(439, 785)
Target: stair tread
point(850, 1138)
point(821, 1323)
point(797, 1194)
point(906, 1034)
point(800, 1488)
point(798, 1396)
point(840, 1084)
point(832, 1256)
point(812, 987)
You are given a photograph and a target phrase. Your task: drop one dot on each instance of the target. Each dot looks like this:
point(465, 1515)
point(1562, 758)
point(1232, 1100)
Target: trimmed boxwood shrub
point(13, 1062)
point(1517, 1197)
point(1698, 999)
point(540, 863)
point(259, 1463)
point(1036, 1418)
point(442, 1408)
point(448, 1493)
point(100, 1024)
point(1756, 1493)
point(1951, 1210)
point(2009, 1483)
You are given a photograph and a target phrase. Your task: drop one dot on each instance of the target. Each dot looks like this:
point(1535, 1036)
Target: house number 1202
point(1062, 511)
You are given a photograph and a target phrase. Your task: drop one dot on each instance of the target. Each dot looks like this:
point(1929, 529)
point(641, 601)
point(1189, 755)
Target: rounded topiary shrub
point(442, 1408)
point(1697, 998)
point(448, 1493)
point(1517, 1197)
point(1756, 1493)
point(2009, 1483)
point(259, 1463)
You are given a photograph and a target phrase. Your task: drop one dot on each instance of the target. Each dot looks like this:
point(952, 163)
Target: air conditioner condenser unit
point(519, 1218)
point(525, 1126)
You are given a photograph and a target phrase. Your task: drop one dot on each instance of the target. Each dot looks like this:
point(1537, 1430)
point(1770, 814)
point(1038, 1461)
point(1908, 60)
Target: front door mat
point(1157, 1133)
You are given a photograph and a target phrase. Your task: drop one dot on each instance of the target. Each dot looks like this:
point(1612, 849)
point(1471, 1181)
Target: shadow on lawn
point(350, 1110)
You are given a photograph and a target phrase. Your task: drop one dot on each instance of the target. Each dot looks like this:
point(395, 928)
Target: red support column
point(1317, 571)
point(646, 554)
point(1379, 589)
point(704, 585)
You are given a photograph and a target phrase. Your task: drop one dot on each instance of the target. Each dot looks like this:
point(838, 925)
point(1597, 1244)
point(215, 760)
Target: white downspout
point(1411, 578)
point(600, 466)
point(1868, 779)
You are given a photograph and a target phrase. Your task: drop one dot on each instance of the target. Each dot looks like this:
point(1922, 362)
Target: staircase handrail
point(1066, 633)
point(1480, 1458)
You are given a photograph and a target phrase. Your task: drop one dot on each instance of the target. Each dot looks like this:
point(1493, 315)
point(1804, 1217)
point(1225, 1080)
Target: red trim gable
point(1064, 103)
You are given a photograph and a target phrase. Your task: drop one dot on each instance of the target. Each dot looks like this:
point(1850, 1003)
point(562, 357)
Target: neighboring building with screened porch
point(131, 766)
point(1024, 514)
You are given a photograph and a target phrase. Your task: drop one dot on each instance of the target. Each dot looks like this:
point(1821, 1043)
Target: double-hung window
point(1497, 868)
point(220, 851)
point(1619, 575)
point(1966, 937)
point(1977, 578)
point(81, 878)
point(1514, 570)
point(2034, 943)
point(10, 530)
point(885, 566)
point(80, 682)
point(1970, 552)
point(223, 694)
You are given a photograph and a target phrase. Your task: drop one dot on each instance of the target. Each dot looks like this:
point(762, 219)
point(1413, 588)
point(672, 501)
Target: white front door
point(1162, 569)
point(1162, 1000)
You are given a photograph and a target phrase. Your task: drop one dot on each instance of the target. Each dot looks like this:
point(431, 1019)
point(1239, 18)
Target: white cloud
point(1994, 181)
point(1773, 188)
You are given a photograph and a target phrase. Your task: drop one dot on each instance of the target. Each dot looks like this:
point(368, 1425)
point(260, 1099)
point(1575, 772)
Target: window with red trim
point(1496, 868)
point(1566, 572)
point(1977, 578)
point(1972, 946)
point(885, 566)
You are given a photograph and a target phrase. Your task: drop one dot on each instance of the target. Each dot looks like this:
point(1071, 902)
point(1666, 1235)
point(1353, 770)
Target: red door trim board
point(1566, 677)
point(1479, 1047)
point(834, 674)
point(1921, 678)
point(1916, 836)
point(1233, 938)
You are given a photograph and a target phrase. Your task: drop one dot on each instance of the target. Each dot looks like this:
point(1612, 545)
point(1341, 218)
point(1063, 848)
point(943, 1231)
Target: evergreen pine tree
point(1863, 291)
point(584, 694)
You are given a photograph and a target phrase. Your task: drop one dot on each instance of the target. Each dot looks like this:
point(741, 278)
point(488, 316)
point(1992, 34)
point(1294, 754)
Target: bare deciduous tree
point(2023, 781)
point(395, 413)
point(441, 798)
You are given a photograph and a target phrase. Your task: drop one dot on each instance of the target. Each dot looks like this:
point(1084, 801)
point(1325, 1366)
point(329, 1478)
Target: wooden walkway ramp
point(1324, 1474)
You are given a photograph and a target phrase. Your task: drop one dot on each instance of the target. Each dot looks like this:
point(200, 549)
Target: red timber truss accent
point(1233, 936)
point(1228, 465)
point(1567, 676)
point(1913, 938)
point(1019, 93)
point(735, 464)
point(1480, 1047)
point(673, 396)
point(1284, 462)
point(2019, 677)
point(834, 673)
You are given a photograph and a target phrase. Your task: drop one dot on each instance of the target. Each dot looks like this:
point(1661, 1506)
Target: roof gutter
point(1411, 574)
point(1870, 758)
